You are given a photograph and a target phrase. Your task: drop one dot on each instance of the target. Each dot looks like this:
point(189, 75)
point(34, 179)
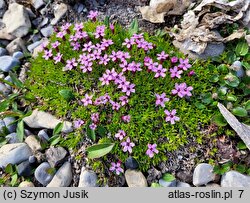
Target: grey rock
point(59, 11)
point(18, 55)
point(16, 45)
point(203, 174)
point(30, 13)
point(2, 125)
point(135, 178)
point(5, 36)
point(182, 184)
point(8, 78)
point(38, 3)
point(9, 123)
point(43, 173)
point(2, 50)
point(36, 22)
point(63, 176)
point(32, 46)
point(212, 185)
point(240, 128)
point(87, 178)
point(20, 26)
point(131, 163)
point(47, 31)
point(55, 155)
point(33, 143)
point(26, 184)
point(40, 119)
point(4, 89)
point(44, 22)
point(78, 7)
point(8, 63)
point(24, 169)
point(42, 134)
point(3, 8)
point(44, 11)
point(163, 183)
point(32, 159)
point(237, 66)
point(14, 154)
point(235, 179)
point(212, 50)
point(12, 138)
point(35, 38)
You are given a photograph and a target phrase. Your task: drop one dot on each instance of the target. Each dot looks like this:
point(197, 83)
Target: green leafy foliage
point(168, 177)
point(99, 150)
point(211, 83)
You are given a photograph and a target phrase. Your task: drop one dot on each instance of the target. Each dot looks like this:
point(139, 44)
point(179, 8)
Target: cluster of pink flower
point(139, 41)
point(93, 54)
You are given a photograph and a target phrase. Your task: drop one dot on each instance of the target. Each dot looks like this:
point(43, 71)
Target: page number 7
point(241, 192)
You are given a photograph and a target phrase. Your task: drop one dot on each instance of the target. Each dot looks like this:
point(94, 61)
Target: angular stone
point(18, 55)
point(47, 31)
point(2, 50)
point(44, 174)
point(63, 176)
point(14, 154)
point(38, 3)
point(3, 8)
point(33, 143)
point(32, 46)
point(87, 178)
point(26, 184)
point(59, 11)
point(43, 135)
point(40, 119)
point(24, 169)
point(164, 183)
point(55, 155)
point(16, 45)
point(203, 174)
point(12, 138)
point(20, 26)
point(9, 123)
point(131, 163)
point(235, 179)
point(8, 63)
point(135, 178)
point(182, 184)
point(4, 89)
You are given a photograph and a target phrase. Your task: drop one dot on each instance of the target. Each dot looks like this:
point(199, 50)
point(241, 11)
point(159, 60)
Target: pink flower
point(116, 167)
point(161, 99)
point(58, 58)
point(61, 34)
point(128, 43)
point(162, 56)
point(95, 117)
point(100, 31)
point(120, 135)
point(47, 54)
point(87, 100)
point(70, 64)
point(104, 60)
point(92, 126)
point(112, 28)
point(128, 89)
point(191, 73)
point(78, 123)
point(55, 44)
point(127, 145)
point(115, 106)
point(171, 116)
point(88, 47)
point(159, 71)
point(105, 79)
point(126, 118)
point(184, 65)
point(78, 27)
point(175, 72)
point(174, 59)
point(124, 100)
point(93, 15)
point(152, 150)
point(76, 46)
point(182, 90)
point(65, 27)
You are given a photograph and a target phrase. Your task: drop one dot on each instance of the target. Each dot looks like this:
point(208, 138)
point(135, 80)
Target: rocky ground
point(22, 35)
